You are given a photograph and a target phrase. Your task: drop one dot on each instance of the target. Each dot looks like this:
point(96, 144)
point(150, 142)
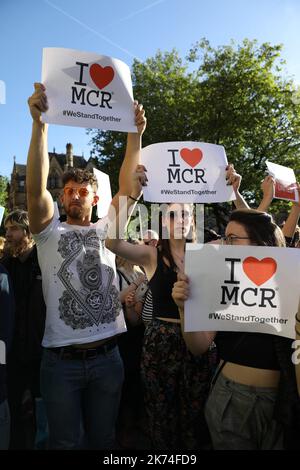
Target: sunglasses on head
point(82, 192)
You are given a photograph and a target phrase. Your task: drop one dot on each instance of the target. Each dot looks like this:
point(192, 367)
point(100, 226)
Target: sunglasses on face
point(70, 191)
point(177, 215)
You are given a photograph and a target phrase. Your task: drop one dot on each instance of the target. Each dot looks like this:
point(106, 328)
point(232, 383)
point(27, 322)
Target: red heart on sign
point(259, 271)
point(101, 76)
point(191, 157)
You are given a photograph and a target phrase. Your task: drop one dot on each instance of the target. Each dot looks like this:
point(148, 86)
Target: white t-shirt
point(79, 284)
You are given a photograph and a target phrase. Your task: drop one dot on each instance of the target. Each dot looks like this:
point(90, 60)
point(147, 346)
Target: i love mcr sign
point(85, 89)
point(242, 288)
point(191, 172)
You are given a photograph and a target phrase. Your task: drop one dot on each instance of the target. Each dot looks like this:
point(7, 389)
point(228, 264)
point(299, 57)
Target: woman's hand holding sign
point(181, 291)
point(140, 118)
point(234, 179)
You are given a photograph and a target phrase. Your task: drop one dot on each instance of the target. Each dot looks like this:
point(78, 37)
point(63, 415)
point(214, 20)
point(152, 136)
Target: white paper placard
point(56, 214)
point(104, 193)
point(285, 180)
point(242, 288)
point(191, 172)
point(85, 89)
point(1, 213)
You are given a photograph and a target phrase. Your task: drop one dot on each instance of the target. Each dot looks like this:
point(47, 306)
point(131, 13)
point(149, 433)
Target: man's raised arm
point(133, 151)
point(39, 200)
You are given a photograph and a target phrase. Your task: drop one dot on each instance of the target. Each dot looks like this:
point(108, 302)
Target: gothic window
point(52, 181)
point(21, 185)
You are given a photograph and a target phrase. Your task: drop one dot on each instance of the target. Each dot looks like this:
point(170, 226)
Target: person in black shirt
point(23, 368)
point(254, 403)
point(6, 333)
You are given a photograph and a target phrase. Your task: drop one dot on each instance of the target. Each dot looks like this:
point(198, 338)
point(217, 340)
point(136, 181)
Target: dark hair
point(296, 237)
point(164, 244)
point(259, 226)
point(80, 176)
point(19, 217)
point(210, 235)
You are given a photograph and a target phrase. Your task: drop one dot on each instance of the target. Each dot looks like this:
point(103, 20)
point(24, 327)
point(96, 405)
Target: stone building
point(57, 165)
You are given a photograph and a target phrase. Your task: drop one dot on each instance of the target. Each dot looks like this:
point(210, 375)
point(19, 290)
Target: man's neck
point(83, 222)
point(25, 254)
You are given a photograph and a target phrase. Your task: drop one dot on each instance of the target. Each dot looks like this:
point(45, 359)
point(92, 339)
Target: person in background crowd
point(289, 228)
point(133, 287)
point(2, 244)
point(6, 335)
point(20, 259)
point(150, 238)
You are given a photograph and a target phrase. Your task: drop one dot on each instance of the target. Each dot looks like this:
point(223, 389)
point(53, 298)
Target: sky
point(123, 29)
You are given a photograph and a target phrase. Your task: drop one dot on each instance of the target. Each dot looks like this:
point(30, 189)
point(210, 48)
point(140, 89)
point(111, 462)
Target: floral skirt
point(176, 386)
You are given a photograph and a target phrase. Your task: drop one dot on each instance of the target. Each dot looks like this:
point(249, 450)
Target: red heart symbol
point(259, 271)
point(101, 76)
point(191, 157)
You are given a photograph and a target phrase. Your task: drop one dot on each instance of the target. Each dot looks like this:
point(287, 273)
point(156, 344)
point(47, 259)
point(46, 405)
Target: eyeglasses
point(82, 192)
point(231, 239)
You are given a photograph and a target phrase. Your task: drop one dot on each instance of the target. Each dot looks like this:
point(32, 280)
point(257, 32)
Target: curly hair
point(80, 176)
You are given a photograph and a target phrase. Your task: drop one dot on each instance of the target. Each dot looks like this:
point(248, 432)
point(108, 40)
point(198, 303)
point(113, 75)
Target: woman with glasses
point(255, 386)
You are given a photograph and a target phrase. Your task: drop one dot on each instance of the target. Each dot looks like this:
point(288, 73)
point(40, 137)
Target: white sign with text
point(285, 182)
point(242, 288)
point(85, 89)
point(191, 172)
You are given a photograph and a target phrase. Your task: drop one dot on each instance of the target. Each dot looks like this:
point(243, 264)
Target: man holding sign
point(81, 372)
point(241, 411)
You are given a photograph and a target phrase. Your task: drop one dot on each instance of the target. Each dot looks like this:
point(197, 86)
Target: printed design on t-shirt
point(90, 297)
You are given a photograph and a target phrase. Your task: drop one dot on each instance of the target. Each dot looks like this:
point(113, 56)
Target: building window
point(52, 182)
point(21, 186)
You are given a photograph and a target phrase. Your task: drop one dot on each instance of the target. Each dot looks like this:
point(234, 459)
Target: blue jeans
point(42, 431)
point(4, 425)
point(82, 392)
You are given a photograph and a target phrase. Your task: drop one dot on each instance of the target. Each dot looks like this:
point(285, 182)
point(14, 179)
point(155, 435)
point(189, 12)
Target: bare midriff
point(171, 320)
point(251, 375)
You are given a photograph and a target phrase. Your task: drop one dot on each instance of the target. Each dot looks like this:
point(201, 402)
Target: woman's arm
point(234, 179)
point(293, 218)
point(132, 314)
point(119, 214)
point(268, 189)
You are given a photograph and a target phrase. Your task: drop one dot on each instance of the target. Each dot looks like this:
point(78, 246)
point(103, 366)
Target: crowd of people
point(96, 352)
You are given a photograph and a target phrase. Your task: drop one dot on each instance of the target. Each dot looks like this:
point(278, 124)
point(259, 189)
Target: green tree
point(237, 96)
point(3, 190)
point(3, 197)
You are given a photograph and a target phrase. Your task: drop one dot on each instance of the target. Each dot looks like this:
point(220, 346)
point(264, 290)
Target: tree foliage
point(3, 190)
point(238, 96)
point(3, 197)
